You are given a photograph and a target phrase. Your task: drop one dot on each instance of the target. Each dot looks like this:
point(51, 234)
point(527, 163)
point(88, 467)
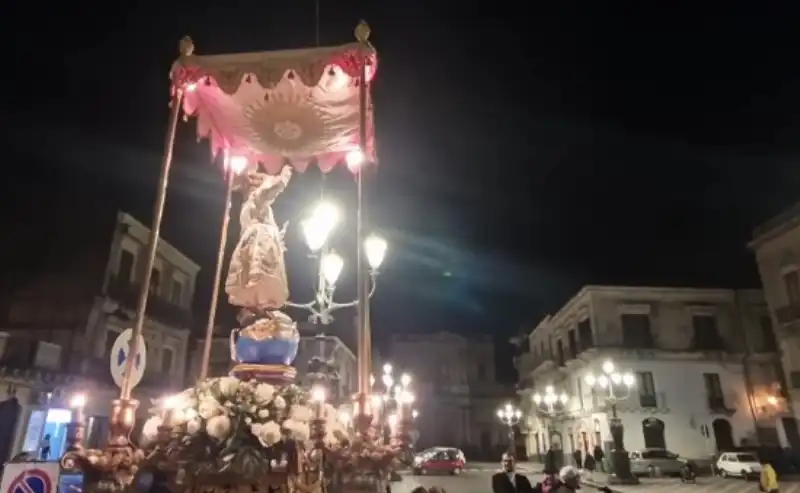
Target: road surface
point(479, 481)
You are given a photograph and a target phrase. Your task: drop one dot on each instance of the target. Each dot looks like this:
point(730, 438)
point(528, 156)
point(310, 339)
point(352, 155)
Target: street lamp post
point(510, 416)
point(394, 415)
point(317, 231)
point(614, 386)
point(551, 405)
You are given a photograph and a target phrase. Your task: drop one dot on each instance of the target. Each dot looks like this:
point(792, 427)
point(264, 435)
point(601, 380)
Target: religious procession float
point(265, 116)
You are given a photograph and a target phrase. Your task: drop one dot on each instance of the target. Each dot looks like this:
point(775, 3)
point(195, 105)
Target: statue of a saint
point(257, 273)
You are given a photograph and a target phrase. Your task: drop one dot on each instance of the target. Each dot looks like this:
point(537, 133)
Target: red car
point(439, 460)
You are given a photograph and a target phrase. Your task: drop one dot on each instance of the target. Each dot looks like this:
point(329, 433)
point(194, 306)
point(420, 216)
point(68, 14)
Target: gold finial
point(362, 32)
point(186, 46)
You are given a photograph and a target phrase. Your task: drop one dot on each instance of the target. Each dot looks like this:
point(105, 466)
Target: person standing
point(508, 481)
point(44, 448)
point(578, 456)
point(769, 479)
point(598, 457)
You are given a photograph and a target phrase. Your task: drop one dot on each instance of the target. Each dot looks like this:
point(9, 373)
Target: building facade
point(705, 361)
point(776, 245)
point(457, 391)
point(63, 321)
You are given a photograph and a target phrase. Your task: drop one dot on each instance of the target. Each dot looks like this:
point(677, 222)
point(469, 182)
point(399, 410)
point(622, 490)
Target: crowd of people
point(563, 480)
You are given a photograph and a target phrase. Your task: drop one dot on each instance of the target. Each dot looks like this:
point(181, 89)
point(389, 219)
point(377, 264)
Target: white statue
point(257, 274)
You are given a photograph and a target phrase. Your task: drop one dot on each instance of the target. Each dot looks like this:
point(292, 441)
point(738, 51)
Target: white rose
point(279, 402)
point(218, 427)
point(209, 408)
point(264, 393)
point(268, 434)
point(298, 430)
point(150, 428)
point(228, 386)
point(193, 426)
point(263, 413)
point(300, 413)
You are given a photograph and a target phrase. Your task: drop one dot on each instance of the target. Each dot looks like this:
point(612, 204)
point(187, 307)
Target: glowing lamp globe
point(375, 250)
point(331, 265)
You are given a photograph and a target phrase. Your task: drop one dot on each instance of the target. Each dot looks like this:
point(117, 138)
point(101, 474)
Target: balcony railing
point(127, 294)
point(788, 314)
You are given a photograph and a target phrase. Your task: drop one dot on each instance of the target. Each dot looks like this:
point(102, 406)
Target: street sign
point(30, 477)
point(119, 357)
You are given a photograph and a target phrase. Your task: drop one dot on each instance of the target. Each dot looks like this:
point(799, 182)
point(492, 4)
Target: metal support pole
point(152, 243)
point(364, 348)
point(223, 241)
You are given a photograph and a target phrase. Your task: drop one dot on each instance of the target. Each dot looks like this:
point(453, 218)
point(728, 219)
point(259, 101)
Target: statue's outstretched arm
point(274, 185)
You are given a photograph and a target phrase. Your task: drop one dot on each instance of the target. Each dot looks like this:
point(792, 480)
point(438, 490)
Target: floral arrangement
point(225, 425)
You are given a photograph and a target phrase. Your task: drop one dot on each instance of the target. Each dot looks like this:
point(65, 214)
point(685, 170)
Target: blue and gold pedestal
point(265, 349)
point(274, 374)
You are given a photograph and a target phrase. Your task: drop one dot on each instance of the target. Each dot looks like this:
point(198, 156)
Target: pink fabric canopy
point(300, 105)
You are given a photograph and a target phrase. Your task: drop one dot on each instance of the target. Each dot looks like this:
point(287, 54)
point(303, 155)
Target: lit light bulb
point(331, 266)
point(78, 401)
point(237, 163)
point(608, 366)
point(375, 249)
point(355, 160)
point(537, 399)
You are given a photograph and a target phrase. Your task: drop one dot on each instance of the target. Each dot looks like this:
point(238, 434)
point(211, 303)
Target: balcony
point(127, 295)
point(788, 314)
point(527, 363)
point(635, 403)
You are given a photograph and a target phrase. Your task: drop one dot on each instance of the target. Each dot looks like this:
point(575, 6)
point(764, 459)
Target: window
point(167, 360)
point(636, 330)
point(481, 371)
point(647, 389)
point(791, 282)
point(795, 378)
point(716, 399)
point(125, 270)
point(560, 349)
point(706, 334)
point(155, 280)
point(658, 454)
point(177, 292)
point(768, 334)
point(585, 338)
point(572, 344)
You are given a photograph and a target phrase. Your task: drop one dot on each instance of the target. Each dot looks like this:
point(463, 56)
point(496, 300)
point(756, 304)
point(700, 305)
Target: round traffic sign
point(120, 352)
point(31, 481)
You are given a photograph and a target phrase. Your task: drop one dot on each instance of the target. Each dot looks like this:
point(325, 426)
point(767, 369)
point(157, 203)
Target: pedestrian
point(578, 456)
point(769, 480)
point(589, 463)
point(569, 480)
point(550, 464)
point(508, 481)
point(44, 447)
point(598, 457)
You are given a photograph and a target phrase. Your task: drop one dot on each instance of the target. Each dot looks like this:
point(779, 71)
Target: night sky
point(527, 148)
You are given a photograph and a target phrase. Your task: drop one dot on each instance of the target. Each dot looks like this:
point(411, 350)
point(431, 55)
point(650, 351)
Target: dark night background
point(526, 148)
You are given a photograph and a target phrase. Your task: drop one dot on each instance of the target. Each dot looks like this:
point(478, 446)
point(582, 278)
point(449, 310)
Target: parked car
point(439, 460)
point(655, 461)
point(740, 464)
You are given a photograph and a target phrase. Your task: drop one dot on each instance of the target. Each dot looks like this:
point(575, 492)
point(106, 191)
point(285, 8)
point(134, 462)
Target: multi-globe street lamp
point(510, 416)
point(615, 386)
point(551, 404)
point(317, 231)
point(394, 415)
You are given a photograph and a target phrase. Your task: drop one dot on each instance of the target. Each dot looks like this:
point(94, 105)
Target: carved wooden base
point(274, 374)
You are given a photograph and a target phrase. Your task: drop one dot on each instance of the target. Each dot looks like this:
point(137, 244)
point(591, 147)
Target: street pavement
point(477, 479)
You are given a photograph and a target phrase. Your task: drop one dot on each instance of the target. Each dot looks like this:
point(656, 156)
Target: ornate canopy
point(301, 105)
